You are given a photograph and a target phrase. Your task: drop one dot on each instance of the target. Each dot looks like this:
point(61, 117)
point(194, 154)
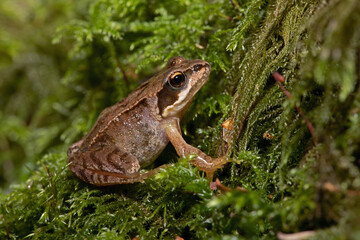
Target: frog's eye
point(177, 81)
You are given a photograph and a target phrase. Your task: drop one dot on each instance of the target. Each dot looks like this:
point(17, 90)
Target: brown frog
point(130, 135)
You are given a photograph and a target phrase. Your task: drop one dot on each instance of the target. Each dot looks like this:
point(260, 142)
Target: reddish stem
point(280, 79)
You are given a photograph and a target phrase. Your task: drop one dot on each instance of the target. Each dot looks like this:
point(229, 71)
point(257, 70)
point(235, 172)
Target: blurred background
point(32, 114)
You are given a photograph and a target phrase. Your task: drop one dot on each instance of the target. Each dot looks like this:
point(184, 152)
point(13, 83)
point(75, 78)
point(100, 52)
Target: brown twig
point(178, 238)
point(295, 236)
point(280, 79)
point(217, 185)
point(235, 5)
point(332, 188)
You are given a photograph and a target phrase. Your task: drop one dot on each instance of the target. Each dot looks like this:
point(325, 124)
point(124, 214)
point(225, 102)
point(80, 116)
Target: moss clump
point(295, 180)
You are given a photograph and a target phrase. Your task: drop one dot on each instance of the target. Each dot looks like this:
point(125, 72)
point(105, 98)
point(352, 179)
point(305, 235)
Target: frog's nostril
point(197, 67)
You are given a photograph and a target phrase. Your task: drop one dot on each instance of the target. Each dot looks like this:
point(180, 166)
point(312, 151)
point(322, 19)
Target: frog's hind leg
point(107, 165)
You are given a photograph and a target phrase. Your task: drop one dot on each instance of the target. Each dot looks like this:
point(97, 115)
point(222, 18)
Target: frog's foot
point(107, 165)
point(209, 165)
point(202, 161)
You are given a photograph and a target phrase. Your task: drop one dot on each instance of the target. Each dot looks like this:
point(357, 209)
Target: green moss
point(88, 56)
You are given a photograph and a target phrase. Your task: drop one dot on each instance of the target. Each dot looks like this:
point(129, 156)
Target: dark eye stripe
point(166, 97)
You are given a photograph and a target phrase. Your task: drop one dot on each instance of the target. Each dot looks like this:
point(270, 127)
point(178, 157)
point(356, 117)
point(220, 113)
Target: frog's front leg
point(202, 161)
point(107, 165)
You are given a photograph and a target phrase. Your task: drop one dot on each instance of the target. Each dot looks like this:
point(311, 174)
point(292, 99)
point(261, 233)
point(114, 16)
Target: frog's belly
point(140, 133)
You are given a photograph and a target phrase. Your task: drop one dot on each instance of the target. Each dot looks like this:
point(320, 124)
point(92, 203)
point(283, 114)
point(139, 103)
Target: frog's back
point(137, 131)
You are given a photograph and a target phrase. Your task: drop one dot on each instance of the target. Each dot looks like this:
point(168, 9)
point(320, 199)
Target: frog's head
point(182, 80)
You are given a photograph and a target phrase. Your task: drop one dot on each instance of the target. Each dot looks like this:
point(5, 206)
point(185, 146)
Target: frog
point(129, 136)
